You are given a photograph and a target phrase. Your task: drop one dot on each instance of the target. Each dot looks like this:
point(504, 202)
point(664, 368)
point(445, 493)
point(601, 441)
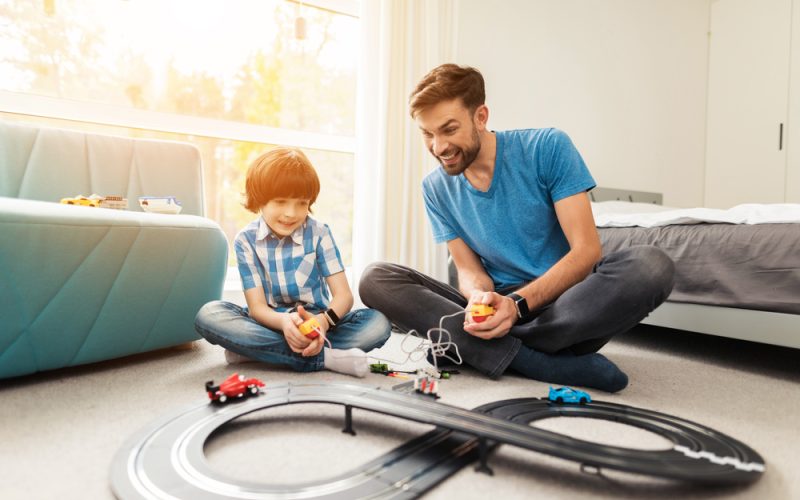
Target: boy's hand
point(496, 325)
point(296, 340)
point(316, 345)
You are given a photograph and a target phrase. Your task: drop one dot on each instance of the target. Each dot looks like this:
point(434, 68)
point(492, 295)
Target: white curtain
point(401, 41)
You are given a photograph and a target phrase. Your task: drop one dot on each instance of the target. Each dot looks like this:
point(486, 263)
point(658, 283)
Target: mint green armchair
point(83, 284)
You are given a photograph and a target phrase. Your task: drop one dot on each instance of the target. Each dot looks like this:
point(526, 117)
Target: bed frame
point(744, 324)
point(609, 194)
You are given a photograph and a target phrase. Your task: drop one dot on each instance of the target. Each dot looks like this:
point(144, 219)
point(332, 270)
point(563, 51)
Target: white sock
point(350, 362)
point(234, 357)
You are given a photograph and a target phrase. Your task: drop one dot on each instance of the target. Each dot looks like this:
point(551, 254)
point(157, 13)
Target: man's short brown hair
point(280, 173)
point(445, 83)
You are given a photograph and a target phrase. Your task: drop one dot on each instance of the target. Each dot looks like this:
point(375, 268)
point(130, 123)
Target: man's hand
point(497, 325)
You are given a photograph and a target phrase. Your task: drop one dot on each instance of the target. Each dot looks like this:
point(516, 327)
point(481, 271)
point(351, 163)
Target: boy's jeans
point(623, 288)
point(230, 326)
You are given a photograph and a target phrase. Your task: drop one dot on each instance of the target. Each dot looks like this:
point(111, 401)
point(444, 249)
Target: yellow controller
point(311, 328)
point(480, 312)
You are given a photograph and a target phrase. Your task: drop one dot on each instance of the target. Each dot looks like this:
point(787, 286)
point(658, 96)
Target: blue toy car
point(568, 395)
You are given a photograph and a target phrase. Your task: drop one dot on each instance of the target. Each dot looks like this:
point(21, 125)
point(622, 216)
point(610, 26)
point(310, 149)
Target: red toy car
point(235, 386)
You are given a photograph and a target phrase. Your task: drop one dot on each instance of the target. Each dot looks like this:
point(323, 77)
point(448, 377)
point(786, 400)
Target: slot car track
point(166, 459)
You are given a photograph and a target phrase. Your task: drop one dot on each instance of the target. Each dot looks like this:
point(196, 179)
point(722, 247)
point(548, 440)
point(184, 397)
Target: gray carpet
point(61, 429)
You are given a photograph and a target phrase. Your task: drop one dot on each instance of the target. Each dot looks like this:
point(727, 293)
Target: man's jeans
point(231, 327)
point(623, 288)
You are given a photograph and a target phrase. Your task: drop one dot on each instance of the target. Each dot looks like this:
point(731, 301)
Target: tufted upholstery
point(49, 164)
point(82, 284)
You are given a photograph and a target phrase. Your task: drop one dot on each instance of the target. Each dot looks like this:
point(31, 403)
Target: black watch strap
point(522, 304)
point(332, 317)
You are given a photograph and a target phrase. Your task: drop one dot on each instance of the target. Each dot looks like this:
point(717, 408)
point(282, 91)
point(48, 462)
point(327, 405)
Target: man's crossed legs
point(557, 343)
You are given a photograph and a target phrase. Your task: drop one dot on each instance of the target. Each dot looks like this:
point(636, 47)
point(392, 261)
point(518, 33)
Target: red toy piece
point(427, 385)
point(480, 312)
point(311, 328)
point(235, 386)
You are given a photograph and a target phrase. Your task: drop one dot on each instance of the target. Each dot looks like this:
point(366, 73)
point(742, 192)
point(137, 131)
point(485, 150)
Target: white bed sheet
point(625, 214)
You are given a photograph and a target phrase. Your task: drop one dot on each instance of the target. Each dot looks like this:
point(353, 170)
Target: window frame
point(107, 114)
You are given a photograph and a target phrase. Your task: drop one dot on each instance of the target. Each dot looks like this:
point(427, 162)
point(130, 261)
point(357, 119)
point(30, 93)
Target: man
point(514, 211)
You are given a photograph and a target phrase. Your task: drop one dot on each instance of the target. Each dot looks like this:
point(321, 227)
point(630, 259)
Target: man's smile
point(449, 159)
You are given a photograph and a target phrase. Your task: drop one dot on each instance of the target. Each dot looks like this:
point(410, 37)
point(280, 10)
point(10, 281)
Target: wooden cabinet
point(793, 131)
point(752, 82)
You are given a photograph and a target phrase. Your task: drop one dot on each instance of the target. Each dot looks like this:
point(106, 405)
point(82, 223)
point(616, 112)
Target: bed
point(737, 271)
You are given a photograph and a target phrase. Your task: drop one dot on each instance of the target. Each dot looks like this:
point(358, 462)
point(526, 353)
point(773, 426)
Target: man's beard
point(467, 156)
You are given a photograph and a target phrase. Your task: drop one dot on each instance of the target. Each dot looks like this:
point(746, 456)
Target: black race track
point(166, 459)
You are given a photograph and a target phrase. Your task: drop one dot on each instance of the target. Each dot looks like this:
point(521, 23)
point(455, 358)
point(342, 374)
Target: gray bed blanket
point(731, 265)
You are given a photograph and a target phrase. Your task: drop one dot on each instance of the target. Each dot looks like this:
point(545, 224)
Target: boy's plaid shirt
point(291, 270)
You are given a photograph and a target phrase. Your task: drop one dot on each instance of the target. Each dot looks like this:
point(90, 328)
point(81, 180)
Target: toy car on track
point(427, 385)
point(568, 395)
point(235, 386)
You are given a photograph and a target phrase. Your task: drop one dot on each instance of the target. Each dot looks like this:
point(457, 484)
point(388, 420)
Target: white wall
point(626, 79)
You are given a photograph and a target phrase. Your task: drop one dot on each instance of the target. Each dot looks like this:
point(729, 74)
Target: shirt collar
point(264, 230)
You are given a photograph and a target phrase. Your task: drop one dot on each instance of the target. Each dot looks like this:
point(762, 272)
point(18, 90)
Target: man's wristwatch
point(332, 317)
point(521, 303)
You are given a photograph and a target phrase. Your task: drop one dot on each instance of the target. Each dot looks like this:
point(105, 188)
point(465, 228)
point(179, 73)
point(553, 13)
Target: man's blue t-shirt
point(513, 226)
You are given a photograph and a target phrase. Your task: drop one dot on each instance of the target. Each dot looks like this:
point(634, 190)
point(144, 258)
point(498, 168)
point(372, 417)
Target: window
point(231, 77)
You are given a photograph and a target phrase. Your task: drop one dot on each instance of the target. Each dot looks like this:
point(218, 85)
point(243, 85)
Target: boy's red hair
point(280, 173)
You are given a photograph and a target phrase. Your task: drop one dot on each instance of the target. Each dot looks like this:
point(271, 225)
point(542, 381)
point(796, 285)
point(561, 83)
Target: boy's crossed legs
point(230, 326)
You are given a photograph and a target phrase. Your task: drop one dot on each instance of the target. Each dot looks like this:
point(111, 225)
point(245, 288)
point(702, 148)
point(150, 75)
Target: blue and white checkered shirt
point(291, 270)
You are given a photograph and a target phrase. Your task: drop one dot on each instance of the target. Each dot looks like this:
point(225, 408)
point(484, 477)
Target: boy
point(288, 262)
